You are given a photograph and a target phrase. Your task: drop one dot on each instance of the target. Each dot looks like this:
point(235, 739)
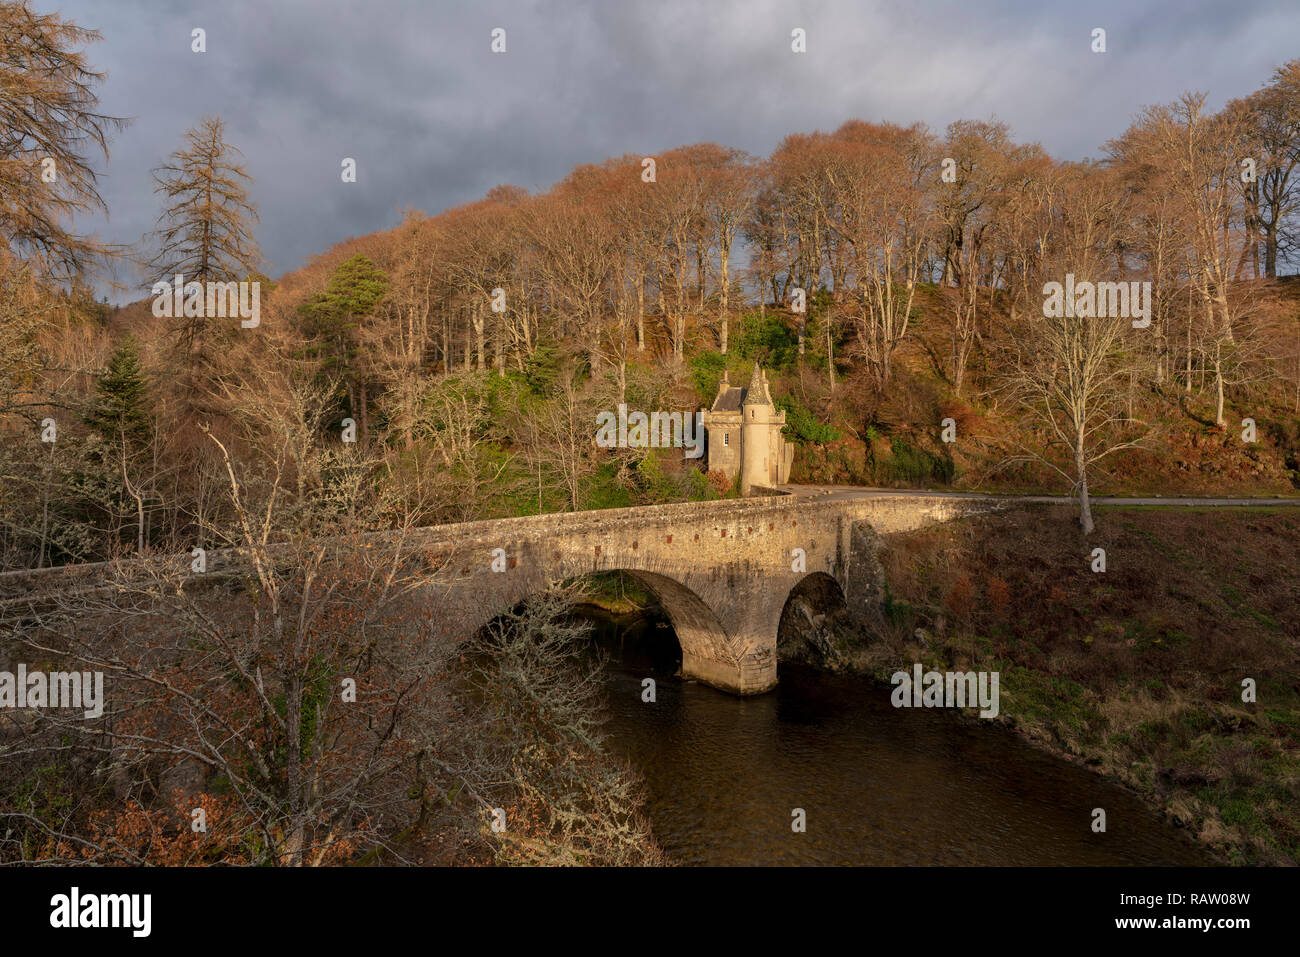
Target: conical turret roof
point(757, 393)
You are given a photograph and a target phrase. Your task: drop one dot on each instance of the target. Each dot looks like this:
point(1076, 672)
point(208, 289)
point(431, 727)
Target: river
point(877, 785)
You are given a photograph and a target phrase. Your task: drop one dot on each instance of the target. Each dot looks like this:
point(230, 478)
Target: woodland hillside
point(891, 278)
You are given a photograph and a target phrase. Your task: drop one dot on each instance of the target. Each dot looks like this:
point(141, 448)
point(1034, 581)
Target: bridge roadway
point(723, 570)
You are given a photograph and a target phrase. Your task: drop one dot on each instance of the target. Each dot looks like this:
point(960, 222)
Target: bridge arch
point(699, 632)
point(810, 603)
point(710, 653)
point(819, 591)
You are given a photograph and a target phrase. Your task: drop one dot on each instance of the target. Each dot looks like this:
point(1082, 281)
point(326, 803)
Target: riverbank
point(1136, 671)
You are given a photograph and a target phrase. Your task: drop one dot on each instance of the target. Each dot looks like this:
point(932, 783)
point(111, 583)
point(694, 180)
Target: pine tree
point(331, 317)
point(121, 409)
point(330, 320)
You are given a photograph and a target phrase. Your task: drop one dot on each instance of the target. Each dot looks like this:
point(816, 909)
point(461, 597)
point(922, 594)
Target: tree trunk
point(139, 504)
point(640, 314)
point(722, 279)
point(1218, 387)
point(45, 508)
point(699, 274)
point(830, 351)
point(1085, 503)
point(478, 336)
point(296, 838)
point(446, 344)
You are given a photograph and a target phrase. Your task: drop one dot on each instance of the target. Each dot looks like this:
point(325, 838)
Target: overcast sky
point(412, 91)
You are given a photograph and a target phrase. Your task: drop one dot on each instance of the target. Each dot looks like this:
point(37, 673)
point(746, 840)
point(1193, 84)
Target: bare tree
point(1271, 118)
point(300, 674)
point(986, 163)
point(573, 802)
point(880, 181)
point(728, 198)
point(1071, 370)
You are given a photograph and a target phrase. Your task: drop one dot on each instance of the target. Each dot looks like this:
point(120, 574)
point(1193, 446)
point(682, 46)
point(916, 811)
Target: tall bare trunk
point(1081, 469)
point(1218, 385)
point(640, 313)
point(478, 335)
point(446, 344)
point(722, 321)
point(469, 343)
point(830, 350)
point(45, 508)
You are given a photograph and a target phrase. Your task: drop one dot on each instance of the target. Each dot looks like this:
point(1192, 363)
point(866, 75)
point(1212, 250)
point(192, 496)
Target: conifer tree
point(49, 120)
point(205, 232)
point(121, 421)
point(120, 410)
point(330, 321)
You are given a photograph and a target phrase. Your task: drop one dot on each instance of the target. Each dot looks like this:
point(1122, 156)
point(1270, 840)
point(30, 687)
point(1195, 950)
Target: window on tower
point(726, 438)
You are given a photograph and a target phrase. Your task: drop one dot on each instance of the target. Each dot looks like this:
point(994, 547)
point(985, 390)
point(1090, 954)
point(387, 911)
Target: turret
point(756, 427)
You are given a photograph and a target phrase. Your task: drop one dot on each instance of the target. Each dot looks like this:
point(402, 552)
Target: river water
point(878, 785)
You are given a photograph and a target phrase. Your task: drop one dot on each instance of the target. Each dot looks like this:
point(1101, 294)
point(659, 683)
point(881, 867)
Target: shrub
point(769, 341)
point(916, 466)
point(802, 426)
point(706, 372)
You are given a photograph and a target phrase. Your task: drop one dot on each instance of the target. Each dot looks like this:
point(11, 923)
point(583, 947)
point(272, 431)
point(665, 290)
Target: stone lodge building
point(743, 434)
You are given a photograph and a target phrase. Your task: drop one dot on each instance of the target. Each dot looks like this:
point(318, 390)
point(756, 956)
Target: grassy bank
point(1136, 671)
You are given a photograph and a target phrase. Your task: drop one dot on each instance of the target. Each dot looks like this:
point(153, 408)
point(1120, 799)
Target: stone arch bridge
point(722, 570)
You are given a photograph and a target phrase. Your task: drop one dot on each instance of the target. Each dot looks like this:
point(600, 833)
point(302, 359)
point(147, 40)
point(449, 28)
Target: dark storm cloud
point(410, 89)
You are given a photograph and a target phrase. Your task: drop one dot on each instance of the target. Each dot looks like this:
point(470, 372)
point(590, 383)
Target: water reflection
point(879, 785)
